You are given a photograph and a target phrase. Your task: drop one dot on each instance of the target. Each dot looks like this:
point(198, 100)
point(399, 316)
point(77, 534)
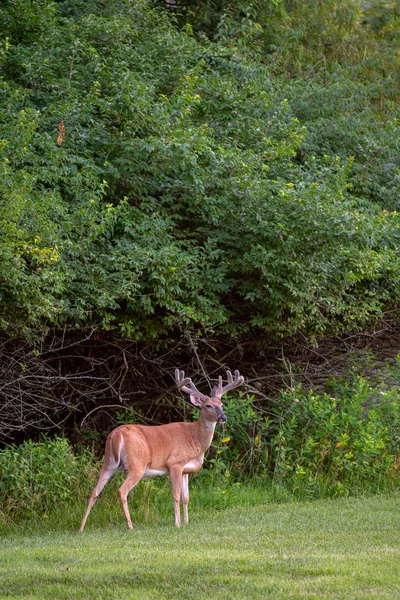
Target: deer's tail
point(115, 449)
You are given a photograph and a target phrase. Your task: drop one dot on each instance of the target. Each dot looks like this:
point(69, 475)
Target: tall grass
point(150, 502)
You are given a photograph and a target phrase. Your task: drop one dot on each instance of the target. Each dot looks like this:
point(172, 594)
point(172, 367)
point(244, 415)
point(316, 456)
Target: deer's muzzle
point(221, 416)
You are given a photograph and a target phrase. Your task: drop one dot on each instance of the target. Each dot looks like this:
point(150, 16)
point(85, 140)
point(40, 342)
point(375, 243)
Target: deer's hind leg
point(107, 471)
point(132, 479)
point(112, 460)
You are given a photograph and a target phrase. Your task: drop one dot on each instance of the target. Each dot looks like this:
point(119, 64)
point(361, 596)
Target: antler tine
point(180, 378)
point(232, 382)
point(185, 384)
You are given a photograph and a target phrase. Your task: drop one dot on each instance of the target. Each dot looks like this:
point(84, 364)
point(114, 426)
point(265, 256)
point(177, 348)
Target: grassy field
point(339, 549)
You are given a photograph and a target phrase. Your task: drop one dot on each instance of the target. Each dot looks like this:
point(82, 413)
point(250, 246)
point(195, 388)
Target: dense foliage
point(316, 444)
point(36, 477)
point(156, 179)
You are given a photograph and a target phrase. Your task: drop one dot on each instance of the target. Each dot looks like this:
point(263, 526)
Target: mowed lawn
point(347, 548)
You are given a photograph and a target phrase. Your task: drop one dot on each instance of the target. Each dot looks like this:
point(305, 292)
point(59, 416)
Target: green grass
point(340, 549)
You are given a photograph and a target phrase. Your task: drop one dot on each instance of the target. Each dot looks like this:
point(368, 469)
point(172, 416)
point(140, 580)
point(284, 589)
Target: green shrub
point(193, 188)
point(242, 449)
point(36, 477)
point(336, 443)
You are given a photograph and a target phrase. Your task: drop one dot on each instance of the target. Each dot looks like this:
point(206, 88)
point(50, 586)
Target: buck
point(175, 449)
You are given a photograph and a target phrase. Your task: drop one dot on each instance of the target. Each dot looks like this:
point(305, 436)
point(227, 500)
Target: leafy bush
point(338, 442)
point(331, 444)
point(154, 181)
point(243, 448)
point(36, 477)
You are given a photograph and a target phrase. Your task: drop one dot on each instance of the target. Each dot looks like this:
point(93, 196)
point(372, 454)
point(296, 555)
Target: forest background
point(206, 186)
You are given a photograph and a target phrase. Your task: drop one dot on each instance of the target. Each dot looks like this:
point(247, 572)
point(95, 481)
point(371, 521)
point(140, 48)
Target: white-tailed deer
point(175, 449)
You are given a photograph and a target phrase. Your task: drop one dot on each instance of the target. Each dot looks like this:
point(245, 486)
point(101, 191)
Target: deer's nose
point(222, 417)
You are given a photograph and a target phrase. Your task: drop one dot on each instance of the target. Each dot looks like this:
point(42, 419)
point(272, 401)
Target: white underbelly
point(149, 473)
point(193, 465)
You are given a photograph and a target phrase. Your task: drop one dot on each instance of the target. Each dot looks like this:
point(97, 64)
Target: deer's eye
point(209, 405)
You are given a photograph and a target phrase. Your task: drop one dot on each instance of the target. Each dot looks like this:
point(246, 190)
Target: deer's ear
point(196, 400)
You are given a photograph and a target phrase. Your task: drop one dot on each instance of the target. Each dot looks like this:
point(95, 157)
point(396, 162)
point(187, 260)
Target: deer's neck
point(204, 432)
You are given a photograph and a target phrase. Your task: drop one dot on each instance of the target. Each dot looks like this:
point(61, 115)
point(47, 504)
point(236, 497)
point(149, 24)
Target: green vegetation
point(335, 549)
point(155, 180)
point(330, 444)
point(36, 477)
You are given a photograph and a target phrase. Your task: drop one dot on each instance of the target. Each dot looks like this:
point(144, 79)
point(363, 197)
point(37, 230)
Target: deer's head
point(211, 406)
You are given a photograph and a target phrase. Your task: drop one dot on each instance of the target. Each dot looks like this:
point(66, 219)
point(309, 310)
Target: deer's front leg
point(185, 497)
point(176, 483)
